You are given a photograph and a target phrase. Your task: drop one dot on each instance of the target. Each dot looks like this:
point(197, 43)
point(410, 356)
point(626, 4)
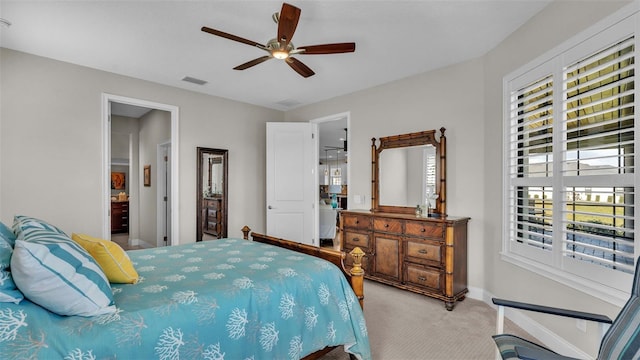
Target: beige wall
point(51, 151)
point(155, 129)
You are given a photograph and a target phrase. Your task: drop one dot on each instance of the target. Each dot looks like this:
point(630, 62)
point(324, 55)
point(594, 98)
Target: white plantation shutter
point(570, 179)
point(530, 166)
point(598, 158)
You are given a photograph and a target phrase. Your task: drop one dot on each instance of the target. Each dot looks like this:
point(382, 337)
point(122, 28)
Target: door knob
point(269, 207)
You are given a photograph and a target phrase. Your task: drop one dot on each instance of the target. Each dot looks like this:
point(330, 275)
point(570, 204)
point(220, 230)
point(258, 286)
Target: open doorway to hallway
point(140, 181)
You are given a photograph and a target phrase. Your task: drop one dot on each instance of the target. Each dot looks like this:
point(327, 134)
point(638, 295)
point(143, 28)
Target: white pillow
point(54, 272)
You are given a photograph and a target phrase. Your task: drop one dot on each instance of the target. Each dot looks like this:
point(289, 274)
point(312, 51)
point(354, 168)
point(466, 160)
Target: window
point(429, 194)
point(570, 161)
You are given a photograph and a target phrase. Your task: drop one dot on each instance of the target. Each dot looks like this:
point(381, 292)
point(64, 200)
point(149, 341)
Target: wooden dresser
point(423, 255)
point(212, 216)
point(119, 217)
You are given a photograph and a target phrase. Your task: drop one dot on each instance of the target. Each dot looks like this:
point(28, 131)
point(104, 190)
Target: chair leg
point(499, 328)
point(603, 327)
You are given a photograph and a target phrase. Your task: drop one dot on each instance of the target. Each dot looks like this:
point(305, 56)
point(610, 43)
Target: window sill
point(599, 291)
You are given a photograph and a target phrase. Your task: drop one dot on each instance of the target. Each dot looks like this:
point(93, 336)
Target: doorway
point(143, 178)
point(333, 179)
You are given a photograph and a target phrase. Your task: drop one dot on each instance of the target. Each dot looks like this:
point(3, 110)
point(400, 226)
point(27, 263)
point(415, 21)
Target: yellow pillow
point(112, 259)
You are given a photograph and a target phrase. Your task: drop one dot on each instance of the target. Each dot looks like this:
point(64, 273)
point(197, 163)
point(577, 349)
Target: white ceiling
point(161, 41)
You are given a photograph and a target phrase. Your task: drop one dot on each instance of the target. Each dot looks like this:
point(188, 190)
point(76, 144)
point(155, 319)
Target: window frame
point(552, 264)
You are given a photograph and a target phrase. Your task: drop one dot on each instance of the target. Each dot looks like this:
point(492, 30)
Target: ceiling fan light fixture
point(280, 54)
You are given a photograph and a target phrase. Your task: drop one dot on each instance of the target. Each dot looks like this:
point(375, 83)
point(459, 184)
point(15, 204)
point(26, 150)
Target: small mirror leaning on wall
point(211, 193)
point(409, 174)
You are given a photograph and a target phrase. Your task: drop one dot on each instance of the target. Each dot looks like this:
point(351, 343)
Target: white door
point(292, 181)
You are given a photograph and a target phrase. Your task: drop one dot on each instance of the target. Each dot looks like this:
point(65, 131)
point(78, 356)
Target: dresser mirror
point(212, 196)
point(409, 170)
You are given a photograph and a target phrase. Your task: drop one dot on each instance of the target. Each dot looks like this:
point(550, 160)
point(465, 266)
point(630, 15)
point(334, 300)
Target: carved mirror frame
point(200, 216)
point(407, 140)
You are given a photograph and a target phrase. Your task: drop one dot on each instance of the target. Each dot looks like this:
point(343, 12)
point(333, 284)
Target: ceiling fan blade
point(253, 62)
point(299, 67)
point(287, 23)
point(231, 37)
point(327, 48)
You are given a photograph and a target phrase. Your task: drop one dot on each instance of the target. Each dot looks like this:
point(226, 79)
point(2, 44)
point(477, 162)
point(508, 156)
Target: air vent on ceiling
point(194, 80)
point(289, 102)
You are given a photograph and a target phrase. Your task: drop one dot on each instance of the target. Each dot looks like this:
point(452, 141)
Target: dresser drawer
point(355, 221)
point(422, 228)
point(353, 239)
point(212, 204)
point(424, 252)
point(119, 205)
point(387, 225)
point(423, 276)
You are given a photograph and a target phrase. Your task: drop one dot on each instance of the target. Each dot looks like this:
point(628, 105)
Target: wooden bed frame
point(355, 275)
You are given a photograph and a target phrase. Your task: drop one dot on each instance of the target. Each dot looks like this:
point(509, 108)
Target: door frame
point(107, 99)
point(162, 168)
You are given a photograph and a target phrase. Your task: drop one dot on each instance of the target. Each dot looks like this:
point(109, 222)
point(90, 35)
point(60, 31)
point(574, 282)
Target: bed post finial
point(357, 274)
point(357, 255)
point(245, 232)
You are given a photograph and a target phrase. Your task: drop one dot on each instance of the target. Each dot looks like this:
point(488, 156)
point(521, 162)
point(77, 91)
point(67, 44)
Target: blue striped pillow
point(23, 225)
point(8, 290)
point(54, 272)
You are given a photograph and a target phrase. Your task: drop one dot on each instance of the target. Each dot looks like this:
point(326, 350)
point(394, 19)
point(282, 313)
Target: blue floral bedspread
point(222, 299)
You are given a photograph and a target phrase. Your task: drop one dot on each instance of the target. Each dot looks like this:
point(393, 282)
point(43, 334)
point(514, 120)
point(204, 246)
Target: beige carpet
point(403, 325)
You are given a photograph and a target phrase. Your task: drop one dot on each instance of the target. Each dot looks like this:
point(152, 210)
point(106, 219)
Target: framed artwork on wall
point(147, 175)
point(118, 180)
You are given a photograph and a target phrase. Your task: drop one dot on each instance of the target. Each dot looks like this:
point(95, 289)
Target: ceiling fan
point(281, 47)
point(344, 144)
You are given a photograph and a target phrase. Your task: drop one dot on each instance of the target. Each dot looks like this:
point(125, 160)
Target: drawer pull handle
point(386, 225)
point(422, 251)
point(355, 239)
point(423, 230)
point(357, 222)
point(422, 278)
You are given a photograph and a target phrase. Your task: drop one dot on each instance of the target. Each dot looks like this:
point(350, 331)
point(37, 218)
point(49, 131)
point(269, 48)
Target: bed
point(224, 299)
